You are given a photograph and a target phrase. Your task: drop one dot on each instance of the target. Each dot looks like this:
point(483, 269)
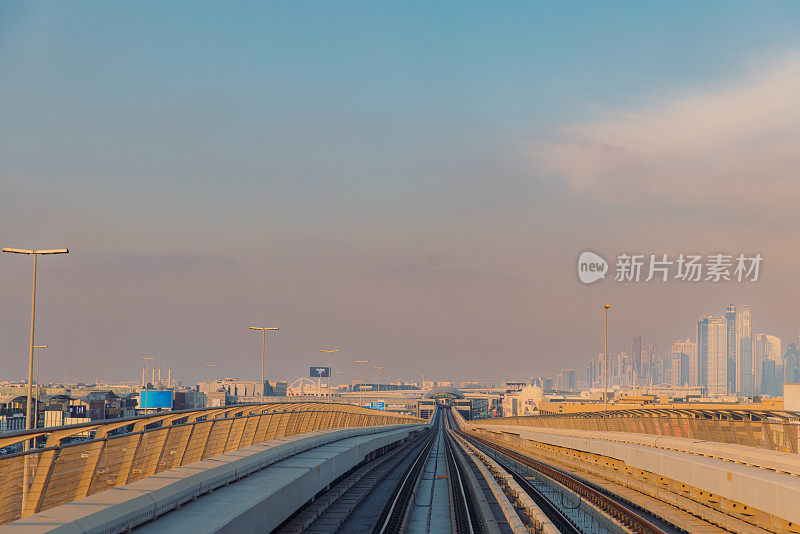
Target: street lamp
point(379, 376)
point(209, 365)
point(28, 414)
point(35, 254)
point(338, 383)
point(146, 359)
point(361, 385)
point(263, 352)
point(36, 408)
point(605, 358)
point(330, 367)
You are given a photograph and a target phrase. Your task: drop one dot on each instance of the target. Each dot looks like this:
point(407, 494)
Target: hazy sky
point(409, 182)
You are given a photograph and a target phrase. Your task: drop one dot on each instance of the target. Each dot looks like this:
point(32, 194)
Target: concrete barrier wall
point(776, 493)
point(119, 509)
point(65, 471)
point(752, 427)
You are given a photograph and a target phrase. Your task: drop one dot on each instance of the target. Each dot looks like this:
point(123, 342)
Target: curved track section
point(628, 516)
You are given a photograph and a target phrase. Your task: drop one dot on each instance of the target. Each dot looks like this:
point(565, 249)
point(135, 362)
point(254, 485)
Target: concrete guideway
point(431, 504)
point(72, 462)
point(212, 495)
point(753, 426)
point(440, 487)
point(751, 485)
point(443, 476)
point(536, 517)
point(551, 501)
point(783, 462)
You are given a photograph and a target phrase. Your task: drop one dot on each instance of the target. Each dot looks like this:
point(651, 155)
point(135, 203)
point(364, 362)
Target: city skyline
point(727, 356)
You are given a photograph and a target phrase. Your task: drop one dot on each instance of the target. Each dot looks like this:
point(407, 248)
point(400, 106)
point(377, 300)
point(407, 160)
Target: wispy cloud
point(734, 145)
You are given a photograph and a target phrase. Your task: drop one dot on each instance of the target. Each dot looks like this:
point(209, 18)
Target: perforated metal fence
point(72, 462)
point(777, 431)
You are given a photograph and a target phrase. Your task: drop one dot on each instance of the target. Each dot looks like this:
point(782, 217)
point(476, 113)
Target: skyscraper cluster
point(724, 359)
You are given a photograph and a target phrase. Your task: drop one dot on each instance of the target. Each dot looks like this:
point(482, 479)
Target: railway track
point(418, 487)
point(346, 505)
point(435, 495)
point(446, 480)
point(464, 513)
point(628, 516)
point(393, 517)
point(563, 523)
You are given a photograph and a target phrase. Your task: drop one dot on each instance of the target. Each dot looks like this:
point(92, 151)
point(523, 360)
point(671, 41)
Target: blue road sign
point(377, 405)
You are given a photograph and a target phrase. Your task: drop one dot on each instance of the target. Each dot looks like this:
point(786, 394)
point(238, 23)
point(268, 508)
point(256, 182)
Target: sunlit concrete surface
point(245, 490)
point(80, 460)
point(773, 492)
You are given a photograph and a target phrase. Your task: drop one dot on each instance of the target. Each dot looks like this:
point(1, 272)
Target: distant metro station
point(451, 397)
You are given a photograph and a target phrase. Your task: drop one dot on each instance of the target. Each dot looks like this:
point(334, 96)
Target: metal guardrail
point(773, 430)
point(113, 453)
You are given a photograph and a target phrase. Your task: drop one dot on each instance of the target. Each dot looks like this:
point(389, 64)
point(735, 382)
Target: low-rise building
point(522, 401)
point(11, 422)
point(188, 399)
point(73, 415)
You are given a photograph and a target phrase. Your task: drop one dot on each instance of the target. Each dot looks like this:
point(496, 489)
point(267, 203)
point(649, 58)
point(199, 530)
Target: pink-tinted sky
point(411, 187)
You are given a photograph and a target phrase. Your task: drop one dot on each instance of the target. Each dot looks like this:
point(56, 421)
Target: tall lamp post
point(339, 383)
point(330, 367)
point(361, 382)
point(209, 365)
point(379, 376)
point(35, 254)
point(29, 404)
point(263, 330)
point(36, 406)
point(605, 358)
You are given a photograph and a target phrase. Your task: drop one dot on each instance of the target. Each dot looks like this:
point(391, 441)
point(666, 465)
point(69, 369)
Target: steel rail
point(556, 515)
point(351, 486)
point(615, 508)
point(391, 518)
point(462, 509)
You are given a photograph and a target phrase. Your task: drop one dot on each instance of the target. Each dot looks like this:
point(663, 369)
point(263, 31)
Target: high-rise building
point(566, 380)
point(765, 347)
point(712, 354)
point(636, 355)
point(648, 372)
point(683, 363)
point(772, 378)
point(730, 317)
point(740, 349)
point(791, 364)
point(745, 380)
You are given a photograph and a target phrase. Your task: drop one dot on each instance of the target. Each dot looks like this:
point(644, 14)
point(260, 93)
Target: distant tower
point(744, 350)
point(712, 354)
point(637, 358)
point(730, 317)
